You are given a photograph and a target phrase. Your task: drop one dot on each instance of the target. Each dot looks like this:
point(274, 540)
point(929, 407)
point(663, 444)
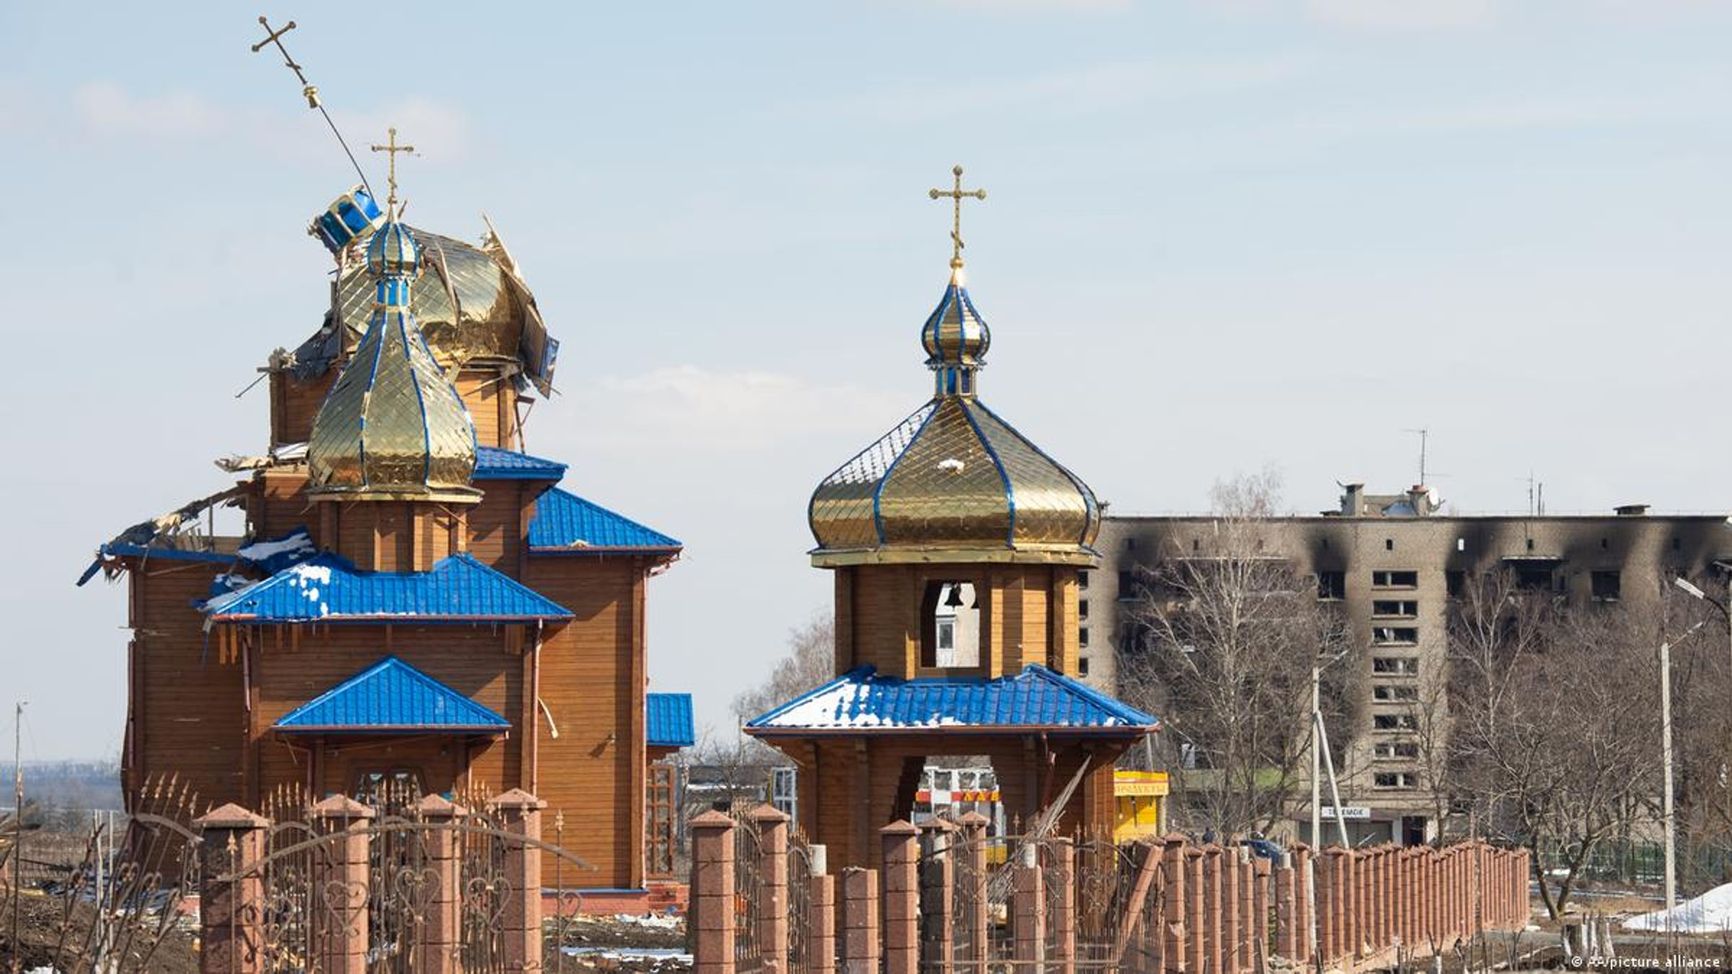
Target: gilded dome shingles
point(392, 426)
point(953, 482)
point(468, 305)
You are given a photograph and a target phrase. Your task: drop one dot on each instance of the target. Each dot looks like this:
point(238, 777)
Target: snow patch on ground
point(1709, 913)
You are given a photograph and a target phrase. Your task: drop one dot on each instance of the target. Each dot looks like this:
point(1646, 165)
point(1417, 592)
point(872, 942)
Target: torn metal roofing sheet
point(328, 588)
point(392, 696)
point(1035, 699)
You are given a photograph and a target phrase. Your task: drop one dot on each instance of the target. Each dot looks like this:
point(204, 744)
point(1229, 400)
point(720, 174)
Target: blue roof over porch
point(392, 697)
point(1037, 699)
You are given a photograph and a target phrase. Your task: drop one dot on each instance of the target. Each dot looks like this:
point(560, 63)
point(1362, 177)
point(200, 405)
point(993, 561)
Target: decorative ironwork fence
point(116, 907)
point(402, 883)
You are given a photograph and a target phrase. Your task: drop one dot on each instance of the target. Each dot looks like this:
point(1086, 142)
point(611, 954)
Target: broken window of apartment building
point(1395, 665)
point(1395, 635)
point(1606, 586)
point(1331, 586)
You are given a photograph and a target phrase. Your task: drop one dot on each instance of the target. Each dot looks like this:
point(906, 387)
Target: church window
point(950, 635)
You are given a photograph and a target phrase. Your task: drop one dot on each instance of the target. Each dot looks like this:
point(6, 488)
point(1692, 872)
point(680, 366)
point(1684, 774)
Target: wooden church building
point(956, 545)
point(416, 601)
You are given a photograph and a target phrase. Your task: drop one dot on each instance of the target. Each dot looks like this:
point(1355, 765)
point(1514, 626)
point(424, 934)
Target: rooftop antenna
point(1423, 434)
point(309, 91)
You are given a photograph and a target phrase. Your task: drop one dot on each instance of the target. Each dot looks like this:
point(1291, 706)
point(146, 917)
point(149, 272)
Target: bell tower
point(955, 543)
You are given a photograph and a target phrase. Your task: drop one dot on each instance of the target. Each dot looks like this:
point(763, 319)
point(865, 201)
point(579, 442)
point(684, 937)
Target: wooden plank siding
point(592, 684)
point(188, 712)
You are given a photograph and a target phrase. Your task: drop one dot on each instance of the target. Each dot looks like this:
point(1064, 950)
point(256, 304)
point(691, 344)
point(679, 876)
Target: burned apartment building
point(1392, 564)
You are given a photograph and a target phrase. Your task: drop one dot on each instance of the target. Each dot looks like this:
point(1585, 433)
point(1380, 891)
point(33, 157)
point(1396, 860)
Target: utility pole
point(1666, 764)
point(17, 825)
point(1316, 760)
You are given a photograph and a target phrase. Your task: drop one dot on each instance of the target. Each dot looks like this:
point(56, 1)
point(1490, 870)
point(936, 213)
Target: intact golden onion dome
point(392, 427)
point(954, 482)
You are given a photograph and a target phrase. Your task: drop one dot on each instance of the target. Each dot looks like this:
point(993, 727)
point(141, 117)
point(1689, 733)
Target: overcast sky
point(1219, 235)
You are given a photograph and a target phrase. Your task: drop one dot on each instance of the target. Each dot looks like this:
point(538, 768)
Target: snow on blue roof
point(391, 695)
point(565, 522)
point(669, 722)
point(328, 588)
point(492, 463)
point(1035, 698)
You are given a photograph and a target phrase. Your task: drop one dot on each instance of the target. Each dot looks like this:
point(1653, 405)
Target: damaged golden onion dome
point(472, 303)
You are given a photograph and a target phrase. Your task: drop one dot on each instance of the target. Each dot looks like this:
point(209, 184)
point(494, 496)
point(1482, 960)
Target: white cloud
point(437, 130)
point(697, 409)
point(105, 108)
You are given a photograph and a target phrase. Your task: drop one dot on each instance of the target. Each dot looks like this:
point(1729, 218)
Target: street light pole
point(1666, 802)
point(1666, 768)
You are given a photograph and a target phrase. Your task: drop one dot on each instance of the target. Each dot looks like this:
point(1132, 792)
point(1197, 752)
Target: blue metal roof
point(492, 463)
point(328, 588)
point(1036, 698)
point(391, 696)
point(669, 720)
point(565, 522)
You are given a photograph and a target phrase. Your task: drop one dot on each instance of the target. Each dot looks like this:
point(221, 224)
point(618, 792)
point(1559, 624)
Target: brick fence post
point(974, 851)
point(519, 813)
point(1262, 870)
point(1175, 946)
point(712, 894)
point(1247, 901)
point(232, 841)
point(900, 842)
point(1434, 898)
point(1305, 897)
point(821, 921)
point(1196, 911)
point(1063, 919)
point(441, 845)
point(772, 932)
point(1347, 926)
point(340, 878)
point(1028, 910)
point(937, 902)
point(860, 931)
point(1335, 917)
point(1287, 935)
point(1397, 898)
point(1229, 887)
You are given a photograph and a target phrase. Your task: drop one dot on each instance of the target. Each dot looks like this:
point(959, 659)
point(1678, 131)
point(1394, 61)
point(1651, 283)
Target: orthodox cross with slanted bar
point(956, 196)
point(391, 148)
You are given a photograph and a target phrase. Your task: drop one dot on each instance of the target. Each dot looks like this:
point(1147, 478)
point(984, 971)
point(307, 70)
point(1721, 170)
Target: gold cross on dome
point(392, 148)
point(956, 196)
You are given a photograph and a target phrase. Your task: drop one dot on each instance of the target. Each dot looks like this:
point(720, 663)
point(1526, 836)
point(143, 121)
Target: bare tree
point(810, 662)
point(1553, 722)
point(1223, 641)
